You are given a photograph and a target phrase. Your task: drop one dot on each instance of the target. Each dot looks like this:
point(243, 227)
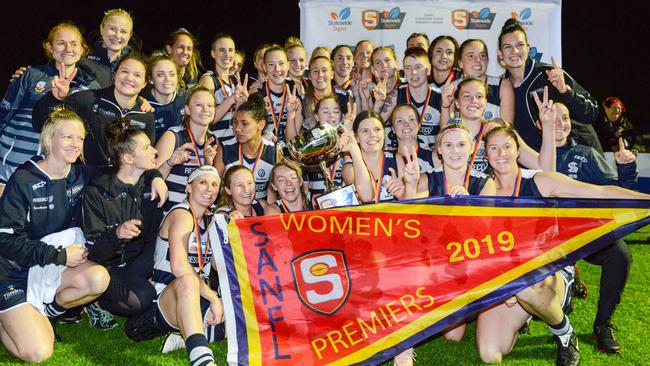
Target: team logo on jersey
point(322, 280)
point(339, 21)
point(373, 19)
point(463, 19)
point(40, 86)
point(261, 173)
point(428, 116)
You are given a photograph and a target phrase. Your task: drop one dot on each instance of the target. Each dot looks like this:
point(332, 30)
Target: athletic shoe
point(405, 358)
point(172, 342)
point(606, 341)
point(100, 318)
point(72, 316)
point(568, 355)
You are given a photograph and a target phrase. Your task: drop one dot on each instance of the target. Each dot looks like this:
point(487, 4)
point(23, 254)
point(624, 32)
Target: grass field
point(83, 345)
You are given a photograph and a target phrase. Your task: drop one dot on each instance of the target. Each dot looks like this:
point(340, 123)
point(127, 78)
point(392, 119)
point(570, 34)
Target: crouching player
point(182, 259)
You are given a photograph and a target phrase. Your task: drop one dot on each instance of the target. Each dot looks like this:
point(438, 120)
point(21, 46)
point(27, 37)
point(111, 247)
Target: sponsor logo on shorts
point(12, 292)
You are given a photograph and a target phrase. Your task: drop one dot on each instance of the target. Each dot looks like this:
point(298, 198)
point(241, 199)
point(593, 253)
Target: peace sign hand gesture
point(293, 101)
point(411, 170)
point(395, 184)
point(349, 117)
point(547, 113)
point(447, 92)
point(556, 77)
point(61, 83)
point(380, 90)
point(241, 90)
point(623, 155)
point(209, 151)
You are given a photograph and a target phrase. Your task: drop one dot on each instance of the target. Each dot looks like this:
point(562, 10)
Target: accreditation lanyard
point(276, 120)
point(376, 182)
point(195, 146)
point(346, 84)
point(225, 92)
point(515, 191)
point(477, 144)
point(257, 158)
point(426, 103)
point(203, 257)
point(465, 183)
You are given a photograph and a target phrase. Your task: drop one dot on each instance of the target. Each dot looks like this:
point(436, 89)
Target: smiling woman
point(65, 47)
point(98, 107)
point(116, 30)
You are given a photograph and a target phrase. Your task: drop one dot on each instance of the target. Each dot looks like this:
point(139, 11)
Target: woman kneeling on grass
point(181, 267)
point(43, 197)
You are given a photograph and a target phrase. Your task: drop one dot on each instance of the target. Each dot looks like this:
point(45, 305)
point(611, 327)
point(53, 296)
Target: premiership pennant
point(358, 285)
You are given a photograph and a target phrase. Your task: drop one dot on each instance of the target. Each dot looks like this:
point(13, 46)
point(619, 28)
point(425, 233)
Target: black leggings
point(129, 292)
point(615, 261)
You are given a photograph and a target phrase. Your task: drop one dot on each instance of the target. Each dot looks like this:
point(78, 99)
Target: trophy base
point(345, 196)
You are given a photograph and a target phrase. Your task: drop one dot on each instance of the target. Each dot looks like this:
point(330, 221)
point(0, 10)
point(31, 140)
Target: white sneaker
point(405, 358)
point(173, 342)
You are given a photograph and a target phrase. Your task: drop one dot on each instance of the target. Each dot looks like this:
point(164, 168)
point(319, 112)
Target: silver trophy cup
point(319, 147)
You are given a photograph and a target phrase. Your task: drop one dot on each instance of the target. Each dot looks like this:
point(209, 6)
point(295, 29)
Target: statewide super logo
point(523, 17)
point(340, 21)
point(322, 280)
point(463, 19)
point(373, 19)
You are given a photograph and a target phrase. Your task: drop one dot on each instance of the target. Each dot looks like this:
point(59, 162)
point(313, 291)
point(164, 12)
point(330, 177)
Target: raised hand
point(394, 185)
point(447, 91)
point(241, 90)
point(209, 151)
point(181, 155)
point(61, 83)
point(257, 85)
point(547, 113)
point(623, 155)
point(347, 141)
point(293, 100)
point(556, 77)
point(411, 170)
point(128, 229)
point(380, 91)
point(349, 117)
point(75, 254)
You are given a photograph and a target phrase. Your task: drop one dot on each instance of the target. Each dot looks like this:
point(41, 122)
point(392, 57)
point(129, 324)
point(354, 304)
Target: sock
point(197, 349)
point(562, 330)
point(53, 310)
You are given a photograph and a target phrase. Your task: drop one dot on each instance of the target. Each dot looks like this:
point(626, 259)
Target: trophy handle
point(329, 183)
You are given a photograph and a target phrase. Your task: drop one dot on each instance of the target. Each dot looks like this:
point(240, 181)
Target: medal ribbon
point(426, 103)
point(477, 143)
point(202, 257)
point(278, 119)
point(257, 158)
point(376, 182)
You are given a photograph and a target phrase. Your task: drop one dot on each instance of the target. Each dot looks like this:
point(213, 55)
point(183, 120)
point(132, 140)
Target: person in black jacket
point(116, 31)
point(43, 197)
point(98, 107)
point(121, 222)
point(529, 76)
point(585, 164)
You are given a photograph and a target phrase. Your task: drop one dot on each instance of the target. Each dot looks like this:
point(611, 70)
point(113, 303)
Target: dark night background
point(602, 41)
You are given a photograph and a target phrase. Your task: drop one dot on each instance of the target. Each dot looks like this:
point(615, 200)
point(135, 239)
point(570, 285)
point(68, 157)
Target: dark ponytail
point(120, 138)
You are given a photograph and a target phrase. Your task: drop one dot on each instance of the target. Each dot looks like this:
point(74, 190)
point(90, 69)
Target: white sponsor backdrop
point(331, 22)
